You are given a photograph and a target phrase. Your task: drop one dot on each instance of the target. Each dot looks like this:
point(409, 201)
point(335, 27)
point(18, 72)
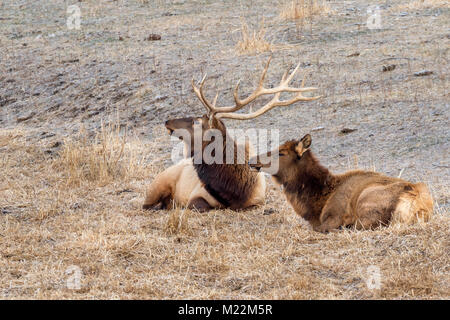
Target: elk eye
point(281, 154)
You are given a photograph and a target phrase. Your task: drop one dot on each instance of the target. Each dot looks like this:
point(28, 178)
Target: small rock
point(423, 73)
point(355, 54)
point(5, 210)
point(268, 211)
point(389, 67)
point(347, 130)
point(69, 61)
point(45, 135)
point(75, 206)
point(317, 128)
point(124, 191)
point(160, 98)
point(25, 118)
point(153, 37)
point(57, 144)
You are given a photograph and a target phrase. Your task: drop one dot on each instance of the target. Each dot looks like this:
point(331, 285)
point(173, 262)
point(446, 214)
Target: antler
point(228, 112)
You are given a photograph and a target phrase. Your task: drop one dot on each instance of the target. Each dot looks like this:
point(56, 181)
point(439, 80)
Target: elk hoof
point(158, 206)
point(322, 229)
point(199, 204)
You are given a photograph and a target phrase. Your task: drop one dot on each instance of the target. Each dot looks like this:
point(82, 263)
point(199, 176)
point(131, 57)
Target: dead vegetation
point(110, 155)
point(304, 9)
point(48, 225)
point(253, 41)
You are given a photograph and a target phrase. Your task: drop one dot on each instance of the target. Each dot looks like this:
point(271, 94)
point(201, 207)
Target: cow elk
point(221, 184)
point(358, 199)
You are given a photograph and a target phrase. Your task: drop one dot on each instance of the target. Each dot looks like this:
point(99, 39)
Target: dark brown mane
point(231, 184)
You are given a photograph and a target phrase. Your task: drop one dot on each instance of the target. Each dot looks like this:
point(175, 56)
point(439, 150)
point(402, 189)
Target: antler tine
point(199, 92)
point(260, 90)
point(228, 112)
point(215, 99)
point(241, 103)
point(275, 102)
point(292, 74)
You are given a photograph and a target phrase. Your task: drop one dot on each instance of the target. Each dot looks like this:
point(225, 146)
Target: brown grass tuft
point(253, 42)
point(303, 9)
point(178, 222)
point(109, 156)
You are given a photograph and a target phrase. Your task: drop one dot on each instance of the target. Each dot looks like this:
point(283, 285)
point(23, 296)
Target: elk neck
point(229, 183)
point(309, 186)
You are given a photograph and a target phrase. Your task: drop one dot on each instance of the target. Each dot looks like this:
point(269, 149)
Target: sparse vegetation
point(253, 41)
point(107, 157)
point(304, 9)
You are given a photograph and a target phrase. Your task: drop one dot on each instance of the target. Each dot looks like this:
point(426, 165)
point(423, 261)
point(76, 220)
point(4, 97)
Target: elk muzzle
point(177, 124)
point(255, 164)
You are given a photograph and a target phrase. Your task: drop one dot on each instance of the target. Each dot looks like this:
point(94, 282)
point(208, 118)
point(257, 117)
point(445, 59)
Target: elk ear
point(306, 141)
point(303, 145)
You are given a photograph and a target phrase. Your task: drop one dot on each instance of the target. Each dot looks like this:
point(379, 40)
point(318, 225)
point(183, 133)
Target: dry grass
point(304, 9)
point(50, 223)
point(253, 41)
point(107, 157)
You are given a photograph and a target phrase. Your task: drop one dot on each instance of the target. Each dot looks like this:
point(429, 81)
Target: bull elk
point(359, 199)
point(202, 185)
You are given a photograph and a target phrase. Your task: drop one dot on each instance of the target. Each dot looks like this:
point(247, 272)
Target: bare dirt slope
point(71, 190)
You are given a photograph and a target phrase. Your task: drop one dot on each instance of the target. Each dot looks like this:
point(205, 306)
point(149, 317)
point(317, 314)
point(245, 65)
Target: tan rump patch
point(414, 206)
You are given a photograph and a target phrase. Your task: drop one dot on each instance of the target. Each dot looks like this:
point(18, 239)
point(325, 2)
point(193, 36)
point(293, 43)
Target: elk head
point(214, 115)
point(292, 158)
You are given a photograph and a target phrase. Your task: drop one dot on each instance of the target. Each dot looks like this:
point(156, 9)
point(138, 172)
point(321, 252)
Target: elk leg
point(164, 204)
point(374, 207)
point(199, 204)
point(372, 215)
point(201, 200)
point(330, 222)
point(159, 192)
